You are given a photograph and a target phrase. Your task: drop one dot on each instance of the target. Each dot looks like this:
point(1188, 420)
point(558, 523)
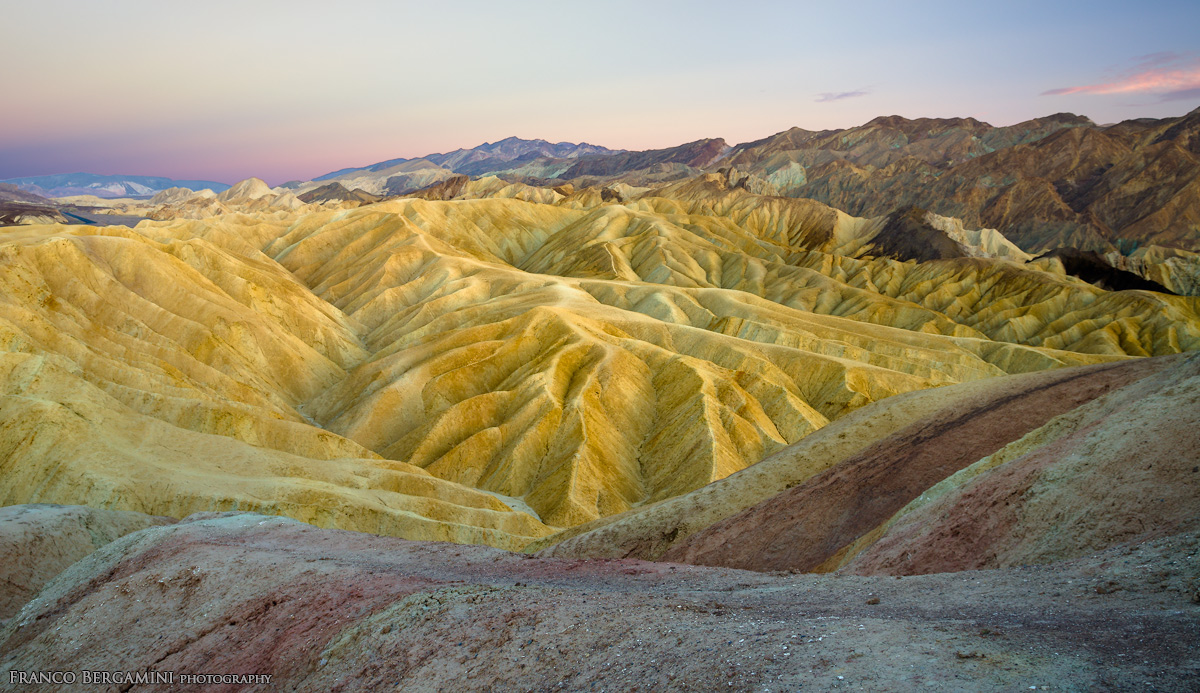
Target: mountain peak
point(1069, 118)
point(251, 188)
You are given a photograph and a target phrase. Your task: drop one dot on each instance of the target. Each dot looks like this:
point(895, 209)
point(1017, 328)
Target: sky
point(222, 91)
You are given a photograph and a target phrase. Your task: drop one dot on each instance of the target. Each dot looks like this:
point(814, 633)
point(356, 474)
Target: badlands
point(618, 433)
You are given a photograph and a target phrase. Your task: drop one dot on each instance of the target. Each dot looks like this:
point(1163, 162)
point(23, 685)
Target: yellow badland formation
point(492, 370)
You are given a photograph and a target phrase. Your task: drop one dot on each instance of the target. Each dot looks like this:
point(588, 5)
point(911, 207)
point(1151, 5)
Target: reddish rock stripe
point(802, 527)
point(994, 509)
point(1131, 472)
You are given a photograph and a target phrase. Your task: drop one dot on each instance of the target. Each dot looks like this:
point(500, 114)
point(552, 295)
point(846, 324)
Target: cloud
point(832, 96)
point(1175, 76)
point(1182, 95)
point(1164, 59)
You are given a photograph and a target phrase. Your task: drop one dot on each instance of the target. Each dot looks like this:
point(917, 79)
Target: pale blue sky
point(283, 90)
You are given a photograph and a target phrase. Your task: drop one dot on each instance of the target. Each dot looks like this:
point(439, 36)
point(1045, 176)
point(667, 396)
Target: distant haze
point(292, 90)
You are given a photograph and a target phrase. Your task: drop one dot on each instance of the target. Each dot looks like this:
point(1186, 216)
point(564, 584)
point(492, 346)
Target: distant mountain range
point(1061, 180)
point(1050, 182)
point(68, 184)
point(489, 156)
point(1056, 181)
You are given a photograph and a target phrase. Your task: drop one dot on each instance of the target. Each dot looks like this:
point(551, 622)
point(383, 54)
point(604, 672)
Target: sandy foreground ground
point(328, 610)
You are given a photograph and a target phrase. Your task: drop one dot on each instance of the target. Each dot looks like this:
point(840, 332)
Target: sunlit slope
point(65, 440)
point(184, 330)
point(585, 359)
point(618, 367)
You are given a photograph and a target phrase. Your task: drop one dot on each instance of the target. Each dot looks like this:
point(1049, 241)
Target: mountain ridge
point(107, 186)
point(1056, 180)
point(507, 149)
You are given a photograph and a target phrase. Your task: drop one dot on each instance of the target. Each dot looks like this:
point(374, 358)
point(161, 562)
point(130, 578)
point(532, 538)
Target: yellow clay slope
point(581, 360)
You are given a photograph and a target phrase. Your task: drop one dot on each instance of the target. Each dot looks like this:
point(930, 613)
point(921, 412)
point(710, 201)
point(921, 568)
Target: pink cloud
point(1166, 73)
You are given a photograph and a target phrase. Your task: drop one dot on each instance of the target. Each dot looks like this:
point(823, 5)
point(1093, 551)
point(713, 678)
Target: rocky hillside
point(1050, 182)
point(1045, 183)
point(319, 610)
point(508, 362)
